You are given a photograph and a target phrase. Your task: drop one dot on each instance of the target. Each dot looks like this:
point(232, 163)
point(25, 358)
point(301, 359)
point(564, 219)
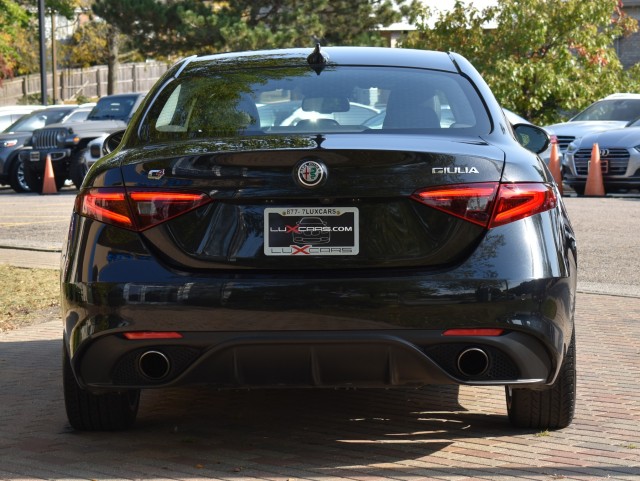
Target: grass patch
point(25, 294)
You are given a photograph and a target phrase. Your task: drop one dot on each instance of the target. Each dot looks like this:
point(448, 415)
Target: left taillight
point(489, 204)
point(137, 209)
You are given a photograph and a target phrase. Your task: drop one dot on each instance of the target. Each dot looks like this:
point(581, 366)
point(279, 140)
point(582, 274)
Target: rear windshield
point(113, 108)
point(618, 109)
point(299, 100)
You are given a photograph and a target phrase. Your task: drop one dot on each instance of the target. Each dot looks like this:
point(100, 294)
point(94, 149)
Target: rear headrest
point(409, 112)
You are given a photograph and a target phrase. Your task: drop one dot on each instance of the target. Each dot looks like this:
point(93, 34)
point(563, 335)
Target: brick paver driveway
point(435, 433)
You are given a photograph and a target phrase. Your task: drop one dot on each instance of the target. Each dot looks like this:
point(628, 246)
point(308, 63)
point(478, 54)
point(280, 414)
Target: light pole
point(54, 60)
point(43, 52)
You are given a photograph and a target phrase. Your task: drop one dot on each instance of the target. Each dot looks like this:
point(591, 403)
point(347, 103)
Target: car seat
point(406, 111)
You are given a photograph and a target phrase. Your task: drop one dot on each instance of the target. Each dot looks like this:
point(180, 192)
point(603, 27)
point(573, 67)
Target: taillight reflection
point(489, 204)
point(137, 209)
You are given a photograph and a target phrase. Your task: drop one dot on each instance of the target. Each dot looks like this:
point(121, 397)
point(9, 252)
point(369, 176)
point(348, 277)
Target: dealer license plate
point(316, 231)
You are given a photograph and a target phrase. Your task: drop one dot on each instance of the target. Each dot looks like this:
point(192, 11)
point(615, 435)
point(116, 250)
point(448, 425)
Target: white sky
point(440, 5)
point(447, 4)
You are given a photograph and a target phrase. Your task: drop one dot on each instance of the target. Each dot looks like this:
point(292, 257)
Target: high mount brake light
point(489, 204)
point(137, 209)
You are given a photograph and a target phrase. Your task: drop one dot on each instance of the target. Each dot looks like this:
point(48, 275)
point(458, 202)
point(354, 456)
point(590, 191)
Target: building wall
point(628, 48)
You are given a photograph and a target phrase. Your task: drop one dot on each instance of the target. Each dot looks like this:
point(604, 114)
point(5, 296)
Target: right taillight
point(489, 204)
point(517, 201)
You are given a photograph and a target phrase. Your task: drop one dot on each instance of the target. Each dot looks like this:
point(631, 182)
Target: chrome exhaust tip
point(473, 362)
point(154, 365)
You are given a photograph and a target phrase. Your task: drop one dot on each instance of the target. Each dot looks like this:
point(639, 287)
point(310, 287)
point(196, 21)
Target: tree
point(168, 29)
point(541, 58)
point(296, 23)
point(173, 28)
point(88, 45)
point(19, 33)
point(13, 19)
point(142, 21)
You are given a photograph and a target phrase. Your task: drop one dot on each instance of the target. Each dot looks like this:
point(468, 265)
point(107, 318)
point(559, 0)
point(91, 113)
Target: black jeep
point(66, 144)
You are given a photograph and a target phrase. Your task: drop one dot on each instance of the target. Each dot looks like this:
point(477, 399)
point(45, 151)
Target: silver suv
point(612, 112)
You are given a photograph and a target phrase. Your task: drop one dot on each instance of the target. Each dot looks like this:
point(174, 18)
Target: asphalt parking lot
point(433, 433)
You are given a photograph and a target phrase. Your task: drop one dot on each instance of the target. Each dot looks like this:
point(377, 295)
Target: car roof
point(379, 56)
point(622, 96)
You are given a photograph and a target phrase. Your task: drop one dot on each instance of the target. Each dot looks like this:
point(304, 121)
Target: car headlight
point(10, 143)
point(637, 147)
point(68, 138)
point(61, 139)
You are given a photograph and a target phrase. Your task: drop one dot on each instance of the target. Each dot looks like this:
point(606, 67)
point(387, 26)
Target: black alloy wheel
point(16, 177)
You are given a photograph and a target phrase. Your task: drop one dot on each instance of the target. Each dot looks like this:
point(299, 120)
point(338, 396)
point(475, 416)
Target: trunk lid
point(271, 211)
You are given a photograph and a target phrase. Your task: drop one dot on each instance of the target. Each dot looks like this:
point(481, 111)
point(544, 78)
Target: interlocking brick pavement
point(434, 433)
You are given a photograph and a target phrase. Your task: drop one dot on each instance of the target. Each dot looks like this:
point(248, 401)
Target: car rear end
point(213, 247)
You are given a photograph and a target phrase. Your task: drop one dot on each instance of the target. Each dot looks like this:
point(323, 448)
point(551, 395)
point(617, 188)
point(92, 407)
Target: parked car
point(66, 143)
point(10, 113)
point(612, 112)
point(94, 150)
point(450, 259)
point(15, 136)
point(619, 152)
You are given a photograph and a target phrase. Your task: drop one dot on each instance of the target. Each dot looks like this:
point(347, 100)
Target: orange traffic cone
point(49, 179)
point(554, 165)
point(595, 184)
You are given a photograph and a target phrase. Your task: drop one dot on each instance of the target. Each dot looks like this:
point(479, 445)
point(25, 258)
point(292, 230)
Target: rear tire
point(87, 411)
point(16, 176)
point(32, 179)
point(549, 409)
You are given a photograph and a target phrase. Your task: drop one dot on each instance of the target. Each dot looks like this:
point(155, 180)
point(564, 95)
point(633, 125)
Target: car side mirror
point(532, 137)
point(112, 141)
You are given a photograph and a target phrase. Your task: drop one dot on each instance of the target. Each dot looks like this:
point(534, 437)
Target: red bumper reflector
point(473, 332)
point(152, 335)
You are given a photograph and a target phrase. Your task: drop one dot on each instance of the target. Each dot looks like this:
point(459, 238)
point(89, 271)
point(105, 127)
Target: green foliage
point(181, 27)
point(540, 57)
point(87, 46)
point(18, 33)
point(13, 18)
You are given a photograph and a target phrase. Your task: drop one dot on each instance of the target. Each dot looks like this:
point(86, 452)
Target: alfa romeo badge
point(310, 173)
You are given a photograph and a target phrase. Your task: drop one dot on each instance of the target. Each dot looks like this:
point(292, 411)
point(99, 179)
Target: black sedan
point(444, 252)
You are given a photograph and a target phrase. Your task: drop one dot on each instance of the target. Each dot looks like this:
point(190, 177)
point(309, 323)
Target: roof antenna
point(317, 60)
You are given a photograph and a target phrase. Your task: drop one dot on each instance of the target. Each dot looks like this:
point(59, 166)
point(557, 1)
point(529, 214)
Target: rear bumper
point(315, 359)
point(318, 328)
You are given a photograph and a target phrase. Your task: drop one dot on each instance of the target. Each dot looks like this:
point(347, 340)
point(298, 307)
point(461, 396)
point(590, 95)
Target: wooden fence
point(88, 82)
